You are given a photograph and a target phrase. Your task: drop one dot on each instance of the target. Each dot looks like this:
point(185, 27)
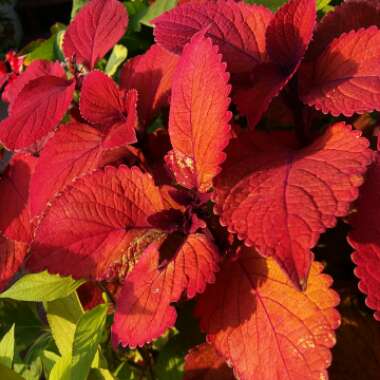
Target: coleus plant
point(216, 203)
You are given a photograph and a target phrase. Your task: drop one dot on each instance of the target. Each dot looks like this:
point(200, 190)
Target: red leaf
point(264, 327)
point(74, 150)
point(15, 216)
point(365, 238)
point(280, 199)
point(12, 255)
point(237, 28)
point(144, 309)
point(199, 98)
point(91, 226)
point(102, 103)
point(350, 15)
point(345, 79)
point(35, 70)
point(37, 110)
point(151, 75)
point(288, 36)
point(203, 363)
point(97, 27)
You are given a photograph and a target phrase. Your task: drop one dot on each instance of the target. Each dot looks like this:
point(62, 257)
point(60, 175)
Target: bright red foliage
point(155, 202)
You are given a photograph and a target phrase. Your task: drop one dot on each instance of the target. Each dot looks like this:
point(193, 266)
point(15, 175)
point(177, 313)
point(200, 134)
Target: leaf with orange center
point(15, 216)
point(345, 78)
point(144, 309)
point(365, 238)
point(264, 327)
point(280, 199)
point(198, 120)
point(92, 227)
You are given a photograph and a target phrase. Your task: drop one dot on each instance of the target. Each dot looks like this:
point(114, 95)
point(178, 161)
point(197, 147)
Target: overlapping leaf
point(345, 79)
point(199, 99)
point(92, 227)
point(203, 363)
point(263, 326)
point(15, 216)
point(151, 75)
point(96, 28)
point(287, 38)
point(237, 28)
point(38, 109)
point(365, 238)
point(102, 103)
point(12, 255)
point(144, 310)
point(280, 199)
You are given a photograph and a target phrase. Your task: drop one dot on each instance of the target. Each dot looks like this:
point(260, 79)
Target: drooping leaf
point(15, 218)
point(88, 230)
point(37, 110)
point(287, 37)
point(350, 15)
point(88, 335)
point(74, 150)
point(204, 363)
point(237, 28)
point(96, 28)
point(41, 287)
point(199, 98)
point(144, 309)
point(7, 348)
point(34, 70)
point(263, 326)
point(345, 79)
point(365, 238)
point(117, 57)
point(280, 199)
point(12, 254)
point(151, 75)
point(356, 355)
point(102, 103)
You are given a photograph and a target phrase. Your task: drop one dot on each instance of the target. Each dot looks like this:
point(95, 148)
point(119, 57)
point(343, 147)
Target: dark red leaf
point(94, 226)
point(151, 75)
point(280, 199)
point(203, 363)
point(237, 28)
point(199, 98)
point(264, 327)
point(345, 79)
point(365, 238)
point(12, 255)
point(15, 216)
point(97, 27)
point(144, 309)
point(38, 109)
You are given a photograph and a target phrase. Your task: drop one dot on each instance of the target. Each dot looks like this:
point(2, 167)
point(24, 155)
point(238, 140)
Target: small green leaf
point(7, 374)
point(48, 361)
point(118, 56)
point(88, 335)
point(271, 4)
point(7, 348)
point(322, 4)
point(62, 369)
point(100, 374)
point(41, 287)
point(156, 9)
point(77, 5)
point(62, 315)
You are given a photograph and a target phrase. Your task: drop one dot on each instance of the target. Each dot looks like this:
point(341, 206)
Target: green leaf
point(7, 374)
point(7, 348)
point(77, 5)
point(62, 369)
point(41, 287)
point(170, 362)
point(62, 315)
point(49, 359)
point(136, 10)
point(271, 4)
point(100, 374)
point(118, 56)
point(156, 9)
point(88, 335)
